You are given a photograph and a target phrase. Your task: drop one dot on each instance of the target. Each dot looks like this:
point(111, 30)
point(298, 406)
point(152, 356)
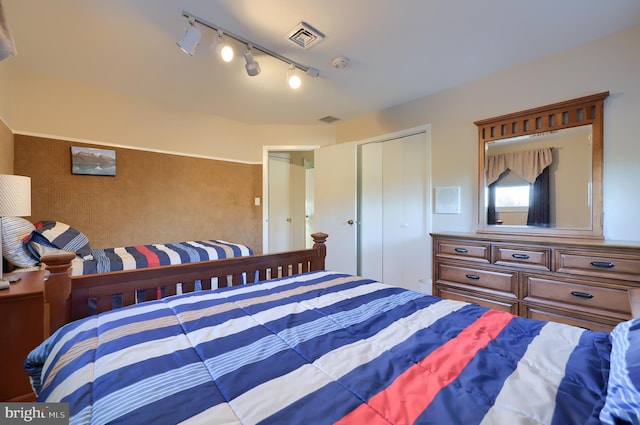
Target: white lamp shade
point(15, 196)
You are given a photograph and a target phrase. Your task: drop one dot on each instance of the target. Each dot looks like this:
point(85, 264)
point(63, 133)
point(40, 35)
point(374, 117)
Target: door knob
point(289, 220)
point(350, 222)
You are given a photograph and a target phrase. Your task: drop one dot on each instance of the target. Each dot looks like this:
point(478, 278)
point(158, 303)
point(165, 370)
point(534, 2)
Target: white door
point(394, 241)
point(370, 213)
point(335, 204)
point(287, 174)
point(280, 214)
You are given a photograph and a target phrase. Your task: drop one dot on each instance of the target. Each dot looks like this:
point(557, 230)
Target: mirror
point(540, 170)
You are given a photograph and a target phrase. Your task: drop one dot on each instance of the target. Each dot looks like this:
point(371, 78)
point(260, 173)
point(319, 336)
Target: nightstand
point(21, 330)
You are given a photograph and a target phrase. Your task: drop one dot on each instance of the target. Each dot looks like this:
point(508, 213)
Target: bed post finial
point(57, 290)
point(319, 240)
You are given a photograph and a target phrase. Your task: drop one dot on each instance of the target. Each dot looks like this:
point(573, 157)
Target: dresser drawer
point(463, 250)
point(501, 283)
point(510, 306)
point(592, 299)
point(529, 257)
point(562, 316)
point(618, 266)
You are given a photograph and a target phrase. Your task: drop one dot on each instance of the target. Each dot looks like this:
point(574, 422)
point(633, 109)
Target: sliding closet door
point(394, 240)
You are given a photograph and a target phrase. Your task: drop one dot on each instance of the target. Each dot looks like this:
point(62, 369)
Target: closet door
point(394, 241)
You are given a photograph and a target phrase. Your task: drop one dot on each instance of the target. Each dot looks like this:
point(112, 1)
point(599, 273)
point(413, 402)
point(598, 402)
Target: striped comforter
point(320, 348)
point(140, 256)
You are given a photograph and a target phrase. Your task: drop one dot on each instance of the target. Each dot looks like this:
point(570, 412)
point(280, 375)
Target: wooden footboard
point(68, 298)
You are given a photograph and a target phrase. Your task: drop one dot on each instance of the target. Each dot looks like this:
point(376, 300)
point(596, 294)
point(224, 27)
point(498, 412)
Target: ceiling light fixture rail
point(310, 71)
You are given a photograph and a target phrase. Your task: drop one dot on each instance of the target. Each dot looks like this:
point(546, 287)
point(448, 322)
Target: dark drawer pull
point(461, 250)
point(604, 264)
point(581, 294)
point(520, 256)
point(473, 277)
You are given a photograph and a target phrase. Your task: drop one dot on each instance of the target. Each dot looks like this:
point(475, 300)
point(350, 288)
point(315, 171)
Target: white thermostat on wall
point(447, 200)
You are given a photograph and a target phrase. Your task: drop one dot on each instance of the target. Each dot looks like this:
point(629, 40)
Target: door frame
point(265, 184)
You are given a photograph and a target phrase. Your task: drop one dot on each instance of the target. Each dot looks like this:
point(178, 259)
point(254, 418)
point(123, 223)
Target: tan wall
point(153, 198)
point(54, 107)
point(6, 149)
point(6, 136)
point(608, 64)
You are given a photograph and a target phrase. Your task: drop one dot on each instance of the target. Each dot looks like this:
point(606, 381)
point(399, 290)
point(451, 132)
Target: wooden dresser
point(578, 282)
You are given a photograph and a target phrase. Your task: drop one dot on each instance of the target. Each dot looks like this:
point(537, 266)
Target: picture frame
point(93, 161)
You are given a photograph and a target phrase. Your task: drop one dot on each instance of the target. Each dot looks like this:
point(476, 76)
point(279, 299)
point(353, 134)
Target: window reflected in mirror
point(541, 180)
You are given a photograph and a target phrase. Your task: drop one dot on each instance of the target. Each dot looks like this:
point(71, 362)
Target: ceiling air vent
point(304, 35)
point(329, 119)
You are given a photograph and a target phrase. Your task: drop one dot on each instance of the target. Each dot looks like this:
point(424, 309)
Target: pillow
point(622, 404)
point(14, 231)
point(51, 235)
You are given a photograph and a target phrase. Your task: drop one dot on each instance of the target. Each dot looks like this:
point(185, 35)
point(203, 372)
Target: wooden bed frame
point(66, 297)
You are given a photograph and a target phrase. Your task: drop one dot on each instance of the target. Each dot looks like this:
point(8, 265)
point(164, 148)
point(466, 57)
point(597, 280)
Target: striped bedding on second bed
point(141, 256)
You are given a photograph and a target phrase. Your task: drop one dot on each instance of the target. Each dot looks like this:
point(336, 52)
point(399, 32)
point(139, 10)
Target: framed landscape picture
point(92, 161)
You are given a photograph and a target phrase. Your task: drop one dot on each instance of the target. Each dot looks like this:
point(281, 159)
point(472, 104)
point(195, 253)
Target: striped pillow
point(56, 235)
point(622, 404)
point(14, 231)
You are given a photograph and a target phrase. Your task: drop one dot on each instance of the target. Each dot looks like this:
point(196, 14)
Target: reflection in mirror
point(541, 180)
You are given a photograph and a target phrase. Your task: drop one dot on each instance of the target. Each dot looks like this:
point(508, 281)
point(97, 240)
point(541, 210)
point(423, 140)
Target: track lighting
point(293, 78)
point(192, 38)
point(252, 67)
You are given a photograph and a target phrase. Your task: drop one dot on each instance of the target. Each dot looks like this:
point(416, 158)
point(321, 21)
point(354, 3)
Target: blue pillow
point(56, 235)
point(622, 404)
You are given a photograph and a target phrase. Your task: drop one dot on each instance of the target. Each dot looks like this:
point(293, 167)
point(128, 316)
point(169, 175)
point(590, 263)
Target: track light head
point(313, 72)
point(191, 38)
point(222, 48)
point(252, 67)
point(293, 78)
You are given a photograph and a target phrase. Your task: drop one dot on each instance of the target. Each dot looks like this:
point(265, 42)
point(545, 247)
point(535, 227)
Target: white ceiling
point(400, 50)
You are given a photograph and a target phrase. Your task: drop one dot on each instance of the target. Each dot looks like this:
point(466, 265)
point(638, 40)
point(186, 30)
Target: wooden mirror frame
point(571, 113)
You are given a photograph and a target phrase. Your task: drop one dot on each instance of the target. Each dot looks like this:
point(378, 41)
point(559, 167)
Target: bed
point(296, 344)
point(24, 244)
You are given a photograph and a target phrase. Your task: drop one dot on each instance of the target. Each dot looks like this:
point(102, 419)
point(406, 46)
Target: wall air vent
point(304, 35)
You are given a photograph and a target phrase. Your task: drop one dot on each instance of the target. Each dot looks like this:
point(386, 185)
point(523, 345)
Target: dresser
point(581, 282)
point(21, 312)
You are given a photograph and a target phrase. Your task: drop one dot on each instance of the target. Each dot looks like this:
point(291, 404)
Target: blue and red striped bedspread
point(321, 348)
point(141, 256)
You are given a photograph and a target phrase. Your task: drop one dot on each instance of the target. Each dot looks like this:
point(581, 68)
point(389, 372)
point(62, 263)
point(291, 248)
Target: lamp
point(15, 201)
point(252, 67)
point(191, 38)
point(226, 51)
